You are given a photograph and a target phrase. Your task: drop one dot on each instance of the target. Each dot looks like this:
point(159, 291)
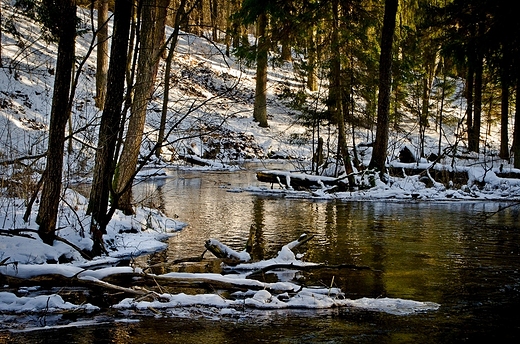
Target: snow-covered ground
point(221, 89)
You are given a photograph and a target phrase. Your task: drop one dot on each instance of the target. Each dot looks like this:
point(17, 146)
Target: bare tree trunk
point(286, 47)
point(160, 35)
point(102, 54)
point(516, 133)
point(65, 10)
point(441, 113)
point(125, 171)
point(337, 90)
point(504, 118)
point(214, 19)
point(179, 16)
point(379, 152)
point(1, 63)
point(470, 86)
point(111, 122)
point(474, 137)
point(260, 107)
point(312, 82)
point(199, 18)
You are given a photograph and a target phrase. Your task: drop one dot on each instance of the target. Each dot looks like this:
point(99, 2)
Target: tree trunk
point(143, 88)
point(337, 93)
point(199, 18)
point(379, 152)
point(286, 54)
point(474, 135)
point(504, 118)
point(102, 54)
point(1, 63)
point(260, 107)
point(65, 10)
point(470, 85)
point(516, 132)
point(160, 26)
point(110, 125)
point(441, 113)
point(179, 16)
point(312, 80)
point(214, 19)
point(423, 118)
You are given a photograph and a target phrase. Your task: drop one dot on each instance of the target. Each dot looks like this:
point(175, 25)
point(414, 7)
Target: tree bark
point(378, 160)
point(260, 107)
point(504, 118)
point(143, 88)
point(110, 125)
point(474, 135)
point(179, 16)
point(337, 94)
point(1, 63)
point(312, 80)
point(516, 132)
point(65, 10)
point(213, 4)
point(470, 86)
point(102, 54)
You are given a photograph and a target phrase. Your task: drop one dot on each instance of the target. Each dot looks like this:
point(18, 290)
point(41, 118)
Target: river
point(452, 253)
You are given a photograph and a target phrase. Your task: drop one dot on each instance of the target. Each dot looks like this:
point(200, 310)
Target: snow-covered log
point(222, 251)
point(301, 181)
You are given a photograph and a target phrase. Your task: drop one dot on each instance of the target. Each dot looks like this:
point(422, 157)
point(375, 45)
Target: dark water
point(454, 254)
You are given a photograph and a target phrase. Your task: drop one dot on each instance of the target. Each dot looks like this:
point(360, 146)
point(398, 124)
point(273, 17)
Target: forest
point(391, 212)
point(362, 70)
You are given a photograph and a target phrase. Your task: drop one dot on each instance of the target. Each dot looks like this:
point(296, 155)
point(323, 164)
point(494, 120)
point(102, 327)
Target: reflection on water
point(446, 253)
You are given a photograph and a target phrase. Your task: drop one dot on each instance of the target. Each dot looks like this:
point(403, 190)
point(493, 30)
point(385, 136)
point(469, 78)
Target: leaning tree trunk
point(385, 82)
point(260, 107)
point(110, 126)
point(102, 54)
point(126, 169)
point(65, 10)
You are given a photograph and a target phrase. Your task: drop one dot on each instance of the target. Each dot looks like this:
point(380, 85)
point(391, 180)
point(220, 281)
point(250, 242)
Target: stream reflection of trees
point(411, 248)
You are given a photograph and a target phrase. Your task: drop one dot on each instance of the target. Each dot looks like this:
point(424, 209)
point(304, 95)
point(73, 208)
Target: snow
point(9, 302)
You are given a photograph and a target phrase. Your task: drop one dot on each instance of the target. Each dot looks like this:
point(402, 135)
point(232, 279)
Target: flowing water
point(454, 254)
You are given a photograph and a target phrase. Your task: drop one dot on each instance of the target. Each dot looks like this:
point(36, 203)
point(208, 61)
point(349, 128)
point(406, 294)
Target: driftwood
point(439, 175)
point(142, 285)
point(220, 250)
point(300, 181)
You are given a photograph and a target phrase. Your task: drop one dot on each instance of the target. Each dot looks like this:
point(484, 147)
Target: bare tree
point(63, 13)
point(260, 107)
point(142, 92)
point(102, 53)
point(179, 16)
point(110, 126)
point(385, 82)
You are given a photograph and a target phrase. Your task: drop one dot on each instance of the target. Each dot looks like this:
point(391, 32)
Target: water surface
point(454, 254)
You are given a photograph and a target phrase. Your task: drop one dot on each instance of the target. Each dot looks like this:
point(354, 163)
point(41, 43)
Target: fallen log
point(300, 181)
point(443, 176)
point(220, 250)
